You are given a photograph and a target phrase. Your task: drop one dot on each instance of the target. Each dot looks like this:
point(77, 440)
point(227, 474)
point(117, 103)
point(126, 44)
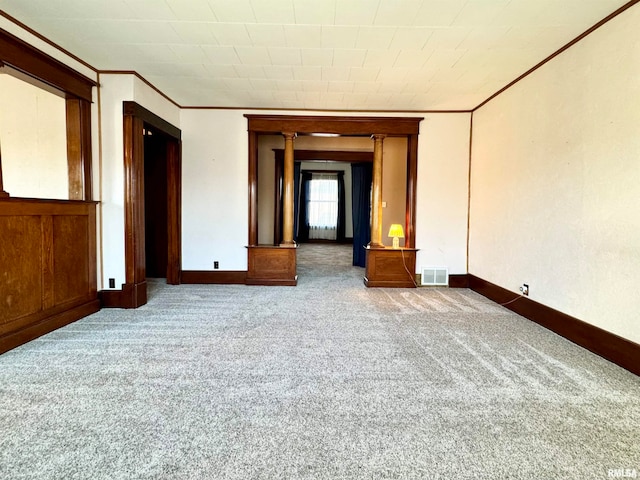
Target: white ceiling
point(316, 54)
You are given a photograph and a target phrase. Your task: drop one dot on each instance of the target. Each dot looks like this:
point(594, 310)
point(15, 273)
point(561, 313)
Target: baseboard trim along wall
point(459, 281)
point(131, 296)
point(214, 277)
point(614, 348)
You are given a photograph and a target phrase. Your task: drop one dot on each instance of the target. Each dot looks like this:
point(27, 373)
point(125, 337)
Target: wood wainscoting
point(47, 266)
point(390, 267)
point(271, 265)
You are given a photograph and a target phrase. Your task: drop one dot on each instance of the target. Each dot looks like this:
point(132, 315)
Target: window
point(322, 206)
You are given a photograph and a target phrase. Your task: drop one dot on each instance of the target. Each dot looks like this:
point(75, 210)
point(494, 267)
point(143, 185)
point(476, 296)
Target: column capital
point(378, 136)
point(289, 135)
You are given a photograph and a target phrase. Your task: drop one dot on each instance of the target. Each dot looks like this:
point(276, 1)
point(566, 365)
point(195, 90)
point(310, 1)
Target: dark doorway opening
point(155, 203)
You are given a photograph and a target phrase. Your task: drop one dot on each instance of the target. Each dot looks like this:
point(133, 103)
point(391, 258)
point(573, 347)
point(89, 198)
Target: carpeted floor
point(327, 380)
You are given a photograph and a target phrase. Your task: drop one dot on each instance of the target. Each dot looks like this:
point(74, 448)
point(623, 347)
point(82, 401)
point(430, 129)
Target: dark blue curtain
point(361, 176)
point(341, 211)
point(296, 198)
point(303, 221)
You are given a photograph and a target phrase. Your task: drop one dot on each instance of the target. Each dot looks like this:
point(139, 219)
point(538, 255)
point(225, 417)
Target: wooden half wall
point(47, 266)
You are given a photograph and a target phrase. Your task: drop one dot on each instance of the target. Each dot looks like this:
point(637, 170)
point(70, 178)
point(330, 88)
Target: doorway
point(155, 203)
point(137, 120)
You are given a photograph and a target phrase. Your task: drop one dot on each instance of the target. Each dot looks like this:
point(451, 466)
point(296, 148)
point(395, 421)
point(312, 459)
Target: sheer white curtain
point(322, 206)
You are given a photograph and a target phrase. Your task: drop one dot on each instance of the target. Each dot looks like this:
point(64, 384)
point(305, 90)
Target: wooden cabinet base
point(271, 265)
point(388, 267)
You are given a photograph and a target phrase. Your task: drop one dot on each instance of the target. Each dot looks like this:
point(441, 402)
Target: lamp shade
point(396, 231)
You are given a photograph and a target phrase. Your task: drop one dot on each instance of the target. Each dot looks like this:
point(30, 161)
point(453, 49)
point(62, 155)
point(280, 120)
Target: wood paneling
point(614, 348)
point(47, 266)
point(272, 265)
point(390, 267)
point(20, 266)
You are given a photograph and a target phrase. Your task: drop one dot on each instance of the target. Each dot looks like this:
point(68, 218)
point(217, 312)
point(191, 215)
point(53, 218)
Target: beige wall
point(33, 139)
point(393, 185)
point(555, 181)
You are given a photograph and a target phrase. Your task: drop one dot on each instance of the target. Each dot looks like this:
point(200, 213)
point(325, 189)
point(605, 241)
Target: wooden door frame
point(134, 291)
point(408, 127)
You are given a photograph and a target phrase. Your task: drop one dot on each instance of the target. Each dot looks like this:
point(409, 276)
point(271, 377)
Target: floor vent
point(432, 276)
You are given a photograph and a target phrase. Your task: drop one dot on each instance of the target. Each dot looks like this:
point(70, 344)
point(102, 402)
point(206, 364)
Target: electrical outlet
point(525, 289)
point(216, 265)
point(112, 283)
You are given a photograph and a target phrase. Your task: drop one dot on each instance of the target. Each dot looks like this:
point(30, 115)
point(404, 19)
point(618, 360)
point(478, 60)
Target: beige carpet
point(326, 380)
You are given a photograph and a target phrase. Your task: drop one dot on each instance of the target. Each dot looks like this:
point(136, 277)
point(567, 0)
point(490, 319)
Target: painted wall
point(33, 141)
point(555, 181)
point(215, 195)
point(442, 191)
point(114, 89)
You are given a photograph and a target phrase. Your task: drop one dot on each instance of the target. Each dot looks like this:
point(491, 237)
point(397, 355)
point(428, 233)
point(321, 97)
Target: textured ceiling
point(316, 54)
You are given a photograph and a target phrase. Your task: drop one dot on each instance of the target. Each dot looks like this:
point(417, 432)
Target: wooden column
point(3, 194)
point(376, 193)
point(78, 113)
point(287, 196)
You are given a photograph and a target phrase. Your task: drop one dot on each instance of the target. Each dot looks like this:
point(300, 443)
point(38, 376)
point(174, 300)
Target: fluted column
point(376, 193)
point(2, 192)
point(287, 191)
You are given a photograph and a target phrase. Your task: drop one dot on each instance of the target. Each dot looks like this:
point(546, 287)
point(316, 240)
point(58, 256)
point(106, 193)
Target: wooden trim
point(412, 188)
point(609, 17)
point(135, 110)
point(326, 155)
point(278, 192)
point(47, 325)
point(217, 277)
point(142, 79)
point(31, 61)
point(272, 282)
point(134, 119)
point(78, 113)
point(321, 110)
point(174, 213)
point(131, 296)
point(253, 189)
point(459, 281)
point(614, 348)
point(363, 126)
point(134, 200)
point(46, 40)
point(469, 188)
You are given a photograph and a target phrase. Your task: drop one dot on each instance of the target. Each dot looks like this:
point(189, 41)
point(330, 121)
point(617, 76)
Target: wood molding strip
point(131, 296)
point(459, 281)
point(48, 324)
point(364, 126)
point(133, 109)
point(610, 346)
point(609, 17)
point(27, 59)
point(323, 155)
point(214, 277)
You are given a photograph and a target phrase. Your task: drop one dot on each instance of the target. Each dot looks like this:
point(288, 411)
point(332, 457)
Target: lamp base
point(396, 242)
